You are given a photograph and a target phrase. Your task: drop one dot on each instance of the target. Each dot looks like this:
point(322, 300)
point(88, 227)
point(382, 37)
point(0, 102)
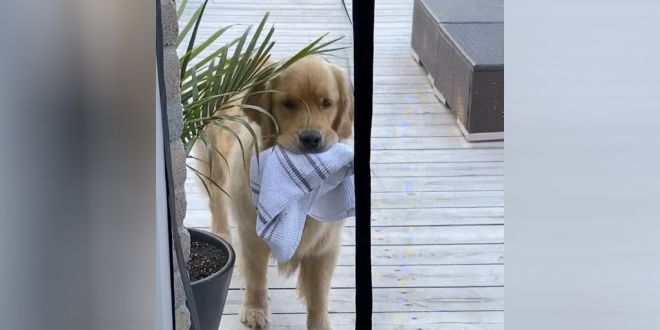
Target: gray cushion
point(462, 11)
point(482, 44)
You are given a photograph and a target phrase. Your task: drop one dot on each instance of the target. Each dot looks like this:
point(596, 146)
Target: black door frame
point(363, 40)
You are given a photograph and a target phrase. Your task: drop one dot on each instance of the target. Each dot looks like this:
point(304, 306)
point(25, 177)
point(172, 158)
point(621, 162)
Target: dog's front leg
point(254, 267)
point(314, 284)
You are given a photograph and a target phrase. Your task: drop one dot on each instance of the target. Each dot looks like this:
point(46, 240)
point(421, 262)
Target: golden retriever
point(312, 102)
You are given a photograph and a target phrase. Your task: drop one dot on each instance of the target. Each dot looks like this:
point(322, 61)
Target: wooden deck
point(438, 201)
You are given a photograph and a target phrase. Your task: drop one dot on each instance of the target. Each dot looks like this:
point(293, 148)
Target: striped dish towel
point(287, 187)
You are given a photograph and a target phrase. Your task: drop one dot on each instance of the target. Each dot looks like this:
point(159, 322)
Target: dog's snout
point(310, 139)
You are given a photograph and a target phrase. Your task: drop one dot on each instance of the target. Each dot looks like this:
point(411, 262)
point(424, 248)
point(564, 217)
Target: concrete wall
point(175, 116)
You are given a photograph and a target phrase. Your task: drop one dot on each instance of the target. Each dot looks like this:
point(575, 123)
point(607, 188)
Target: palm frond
point(182, 8)
point(212, 83)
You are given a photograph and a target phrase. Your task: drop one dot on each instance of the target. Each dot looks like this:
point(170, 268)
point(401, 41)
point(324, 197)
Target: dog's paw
point(254, 317)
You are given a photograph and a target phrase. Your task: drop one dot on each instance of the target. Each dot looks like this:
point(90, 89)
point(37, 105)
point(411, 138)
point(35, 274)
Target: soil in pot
point(205, 260)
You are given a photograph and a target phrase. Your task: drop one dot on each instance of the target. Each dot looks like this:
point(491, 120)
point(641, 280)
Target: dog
point(312, 102)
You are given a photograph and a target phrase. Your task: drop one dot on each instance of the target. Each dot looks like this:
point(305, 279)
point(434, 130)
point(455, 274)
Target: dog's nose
point(310, 139)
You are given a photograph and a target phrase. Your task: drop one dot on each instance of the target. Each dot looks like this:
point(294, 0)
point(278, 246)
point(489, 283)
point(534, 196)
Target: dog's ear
point(260, 96)
point(343, 123)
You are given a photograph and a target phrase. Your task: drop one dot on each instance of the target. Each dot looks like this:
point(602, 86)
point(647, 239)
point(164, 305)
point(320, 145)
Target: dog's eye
point(289, 104)
point(326, 103)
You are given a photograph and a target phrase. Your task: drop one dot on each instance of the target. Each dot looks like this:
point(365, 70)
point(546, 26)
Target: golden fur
point(311, 94)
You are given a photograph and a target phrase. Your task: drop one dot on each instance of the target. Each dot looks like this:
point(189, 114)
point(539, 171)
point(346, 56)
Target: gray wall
point(174, 113)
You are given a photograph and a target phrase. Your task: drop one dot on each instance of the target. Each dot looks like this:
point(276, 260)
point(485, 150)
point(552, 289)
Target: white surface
point(163, 270)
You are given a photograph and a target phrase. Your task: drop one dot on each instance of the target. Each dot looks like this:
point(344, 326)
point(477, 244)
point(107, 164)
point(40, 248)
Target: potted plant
point(210, 85)
point(210, 267)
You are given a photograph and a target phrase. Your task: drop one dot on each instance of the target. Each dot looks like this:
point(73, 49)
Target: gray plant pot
point(211, 292)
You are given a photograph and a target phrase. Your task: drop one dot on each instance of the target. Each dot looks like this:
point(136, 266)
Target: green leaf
point(252, 132)
point(198, 49)
point(264, 112)
point(246, 66)
point(215, 54)
point(191, 42)
point(182, 8)
point(202, 177)
point(197, 159)
point(209, 150)
point(235, 63)
point(217, 81)
point(194, 86)
point(196, 16)
point(222, 125)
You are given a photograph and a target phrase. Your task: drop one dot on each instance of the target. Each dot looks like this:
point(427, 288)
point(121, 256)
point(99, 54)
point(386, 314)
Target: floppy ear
point(343, 123)
point(260, 96)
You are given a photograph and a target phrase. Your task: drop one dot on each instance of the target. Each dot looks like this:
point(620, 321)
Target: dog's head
point(312, 102)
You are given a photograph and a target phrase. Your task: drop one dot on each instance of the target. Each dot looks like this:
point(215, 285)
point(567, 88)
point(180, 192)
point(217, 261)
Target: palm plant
point(210, 85)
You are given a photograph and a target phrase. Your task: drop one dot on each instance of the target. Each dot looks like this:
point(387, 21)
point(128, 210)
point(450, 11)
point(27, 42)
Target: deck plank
point(399, 321)
point(424, 235)
point(387, 300)
point(407, 169)
point(397, 108)
point(400, 276)
point(429, 143)
point(420, 131)
point(412, 200)
point(437, 156)
point(429, 184)
point(453, 216)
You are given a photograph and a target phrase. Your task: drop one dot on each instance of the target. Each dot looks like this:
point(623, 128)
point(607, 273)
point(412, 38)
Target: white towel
point(286, 187)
